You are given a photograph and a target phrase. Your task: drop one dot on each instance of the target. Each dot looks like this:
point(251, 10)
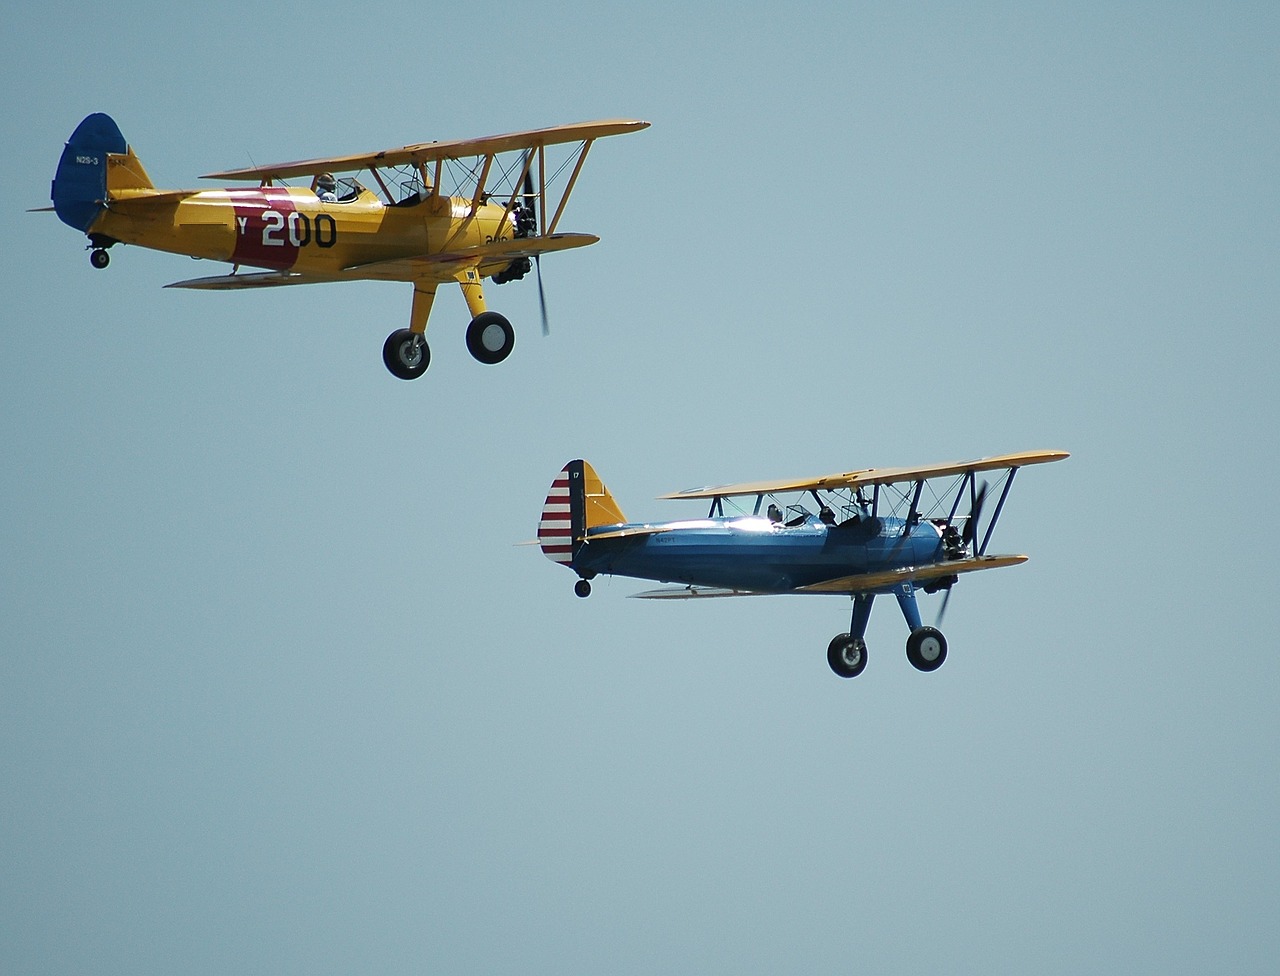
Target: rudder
point(80, 184)
point(578, 500)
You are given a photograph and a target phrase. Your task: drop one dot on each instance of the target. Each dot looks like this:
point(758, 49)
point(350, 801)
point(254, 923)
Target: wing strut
point(913, 514)
point(573, 178)
point(995, 516)
point(484, 178)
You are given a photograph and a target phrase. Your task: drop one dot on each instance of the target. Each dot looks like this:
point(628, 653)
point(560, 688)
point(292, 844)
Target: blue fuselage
point(753, 553)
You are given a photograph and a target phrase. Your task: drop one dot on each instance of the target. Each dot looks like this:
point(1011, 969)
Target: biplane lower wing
point(444, 266)
point(694, 593)
point(846, 585)
point(872, 582)
point(264, 279)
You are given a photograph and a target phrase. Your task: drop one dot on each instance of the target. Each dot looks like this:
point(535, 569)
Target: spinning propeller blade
point(970, 536)
point(531, 201)
point(942, 610)
point(542, 297)
point(971, 523)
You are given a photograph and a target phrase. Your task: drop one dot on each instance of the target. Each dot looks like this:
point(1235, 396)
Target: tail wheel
point(406, 354)
point(926, 649)
point(99, 258)
point(582, 588)
point(490, 338)
point(847, 655)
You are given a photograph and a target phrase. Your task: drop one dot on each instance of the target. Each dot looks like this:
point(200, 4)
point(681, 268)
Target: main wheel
point(926, 649)
point(847, 655)
point(99, 258)
point(406, 354)
point(490, 338)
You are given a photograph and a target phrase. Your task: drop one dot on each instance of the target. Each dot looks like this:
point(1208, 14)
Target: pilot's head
point(325, 181)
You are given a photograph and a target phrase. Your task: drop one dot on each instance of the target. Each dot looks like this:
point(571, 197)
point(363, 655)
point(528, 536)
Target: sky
point(279, 693)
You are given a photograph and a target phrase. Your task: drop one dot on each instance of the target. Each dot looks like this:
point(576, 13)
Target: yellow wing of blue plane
point(872, 476)
point(846, 585)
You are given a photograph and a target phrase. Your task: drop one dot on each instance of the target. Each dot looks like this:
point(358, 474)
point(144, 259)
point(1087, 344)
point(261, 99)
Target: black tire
point(847, 655)
point(406, 359)
point(926, 649)
point(490, 338)
point(99, 258)
point(582, 588)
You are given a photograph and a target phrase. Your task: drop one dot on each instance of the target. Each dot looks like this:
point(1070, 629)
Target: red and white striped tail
point(555, 530)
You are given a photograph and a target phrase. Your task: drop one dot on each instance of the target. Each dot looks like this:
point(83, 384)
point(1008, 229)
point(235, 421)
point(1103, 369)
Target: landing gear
point(582, 588)
point(926, 649)
point(99, 258)
point(847, 655)
point(406, 354)
point(490, 338)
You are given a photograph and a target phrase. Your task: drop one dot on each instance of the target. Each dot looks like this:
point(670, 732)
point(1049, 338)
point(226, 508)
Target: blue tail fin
point(80, 185)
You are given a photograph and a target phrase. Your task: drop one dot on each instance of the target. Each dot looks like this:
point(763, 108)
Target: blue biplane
point(857, 533)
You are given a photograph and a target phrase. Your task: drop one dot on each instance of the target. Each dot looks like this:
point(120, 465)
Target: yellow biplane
point(443, 212)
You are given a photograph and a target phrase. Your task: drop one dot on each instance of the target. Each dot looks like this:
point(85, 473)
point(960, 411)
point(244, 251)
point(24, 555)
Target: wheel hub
point(493, 338)
point(411, 352)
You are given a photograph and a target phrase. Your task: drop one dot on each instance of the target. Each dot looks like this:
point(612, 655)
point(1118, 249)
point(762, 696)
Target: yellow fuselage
point(291, 229)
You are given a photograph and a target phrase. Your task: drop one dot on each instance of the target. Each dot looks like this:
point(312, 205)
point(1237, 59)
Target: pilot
point(775, 513)
point(828, 517)
point(326, 188)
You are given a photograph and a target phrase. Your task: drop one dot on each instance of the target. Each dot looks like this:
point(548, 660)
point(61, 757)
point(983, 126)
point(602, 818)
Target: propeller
point(531, 202)
point(942, 610)
point(971, 523)
point(969, 536)
point(542, 297)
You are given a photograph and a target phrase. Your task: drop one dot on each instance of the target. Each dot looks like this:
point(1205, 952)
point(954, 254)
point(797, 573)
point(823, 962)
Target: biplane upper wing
point(431, 151)
point(444, 265)
point(872, 476)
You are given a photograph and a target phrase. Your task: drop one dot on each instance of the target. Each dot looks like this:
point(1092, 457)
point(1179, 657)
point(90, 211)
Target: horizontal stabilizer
point(139, 202)
point(871, 582)
point(264, 279)
point(630, 531)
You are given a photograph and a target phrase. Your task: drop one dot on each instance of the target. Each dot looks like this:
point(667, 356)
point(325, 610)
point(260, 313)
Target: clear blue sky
point(279, 695)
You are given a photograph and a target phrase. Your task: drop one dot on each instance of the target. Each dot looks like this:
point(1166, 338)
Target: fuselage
point(291, 229)
point(754, 553)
